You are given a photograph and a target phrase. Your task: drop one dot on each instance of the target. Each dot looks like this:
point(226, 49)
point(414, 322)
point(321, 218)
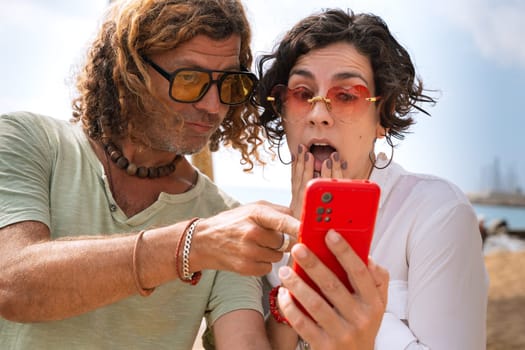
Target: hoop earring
point(373, 161)
point(279, 151)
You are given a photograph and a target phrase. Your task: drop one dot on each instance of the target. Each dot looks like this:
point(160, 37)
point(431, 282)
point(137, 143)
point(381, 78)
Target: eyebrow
point(190, 64)
point(338, 76)
point(232, 67)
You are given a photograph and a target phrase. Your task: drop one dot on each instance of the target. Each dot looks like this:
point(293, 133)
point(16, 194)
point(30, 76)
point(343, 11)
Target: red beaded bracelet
point(274, 309)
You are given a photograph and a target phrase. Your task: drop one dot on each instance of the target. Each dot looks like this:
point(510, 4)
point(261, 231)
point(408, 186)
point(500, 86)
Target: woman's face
point(348, 123)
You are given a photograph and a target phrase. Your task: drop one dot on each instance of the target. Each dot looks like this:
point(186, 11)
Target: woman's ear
point(381, 131)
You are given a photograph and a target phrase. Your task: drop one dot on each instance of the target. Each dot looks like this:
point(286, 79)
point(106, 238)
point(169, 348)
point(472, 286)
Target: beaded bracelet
point(274, 309)
point(187, 235)
point(142, 291)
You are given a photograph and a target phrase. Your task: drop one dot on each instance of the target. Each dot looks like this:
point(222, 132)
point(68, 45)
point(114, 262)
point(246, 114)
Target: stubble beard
point(175, 138)
point(179, 144)
point(177, 141)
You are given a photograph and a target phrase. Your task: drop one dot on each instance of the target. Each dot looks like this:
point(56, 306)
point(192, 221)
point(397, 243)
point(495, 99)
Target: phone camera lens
point(326, 197)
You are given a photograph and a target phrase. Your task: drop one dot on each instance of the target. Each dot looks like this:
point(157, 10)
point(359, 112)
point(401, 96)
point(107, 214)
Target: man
point(162, 80)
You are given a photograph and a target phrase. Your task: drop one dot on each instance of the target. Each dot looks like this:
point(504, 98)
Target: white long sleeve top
point(427, 237)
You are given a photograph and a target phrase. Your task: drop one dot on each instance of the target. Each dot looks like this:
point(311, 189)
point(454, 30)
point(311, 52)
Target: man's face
point(201, 118)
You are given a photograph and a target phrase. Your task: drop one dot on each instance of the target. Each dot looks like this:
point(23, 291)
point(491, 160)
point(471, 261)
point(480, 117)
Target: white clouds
point(496, 27)
point(271, 18)
point(34, 10)
point(43, 41)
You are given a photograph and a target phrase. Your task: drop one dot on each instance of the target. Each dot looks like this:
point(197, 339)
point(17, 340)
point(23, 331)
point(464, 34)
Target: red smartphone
point(347, 206)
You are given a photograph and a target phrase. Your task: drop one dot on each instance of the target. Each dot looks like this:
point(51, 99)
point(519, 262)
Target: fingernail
point(306, 156)
point(293, 158)
point(336, 156)
point(333, 236)
point(329, 163)
point(284, 272)
point(300, 252)
point(300, 149)
point(344, 165)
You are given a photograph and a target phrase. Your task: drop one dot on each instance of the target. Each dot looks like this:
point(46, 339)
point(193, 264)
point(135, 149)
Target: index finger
point(281, 208)
point(360, 278)
point(276, 217)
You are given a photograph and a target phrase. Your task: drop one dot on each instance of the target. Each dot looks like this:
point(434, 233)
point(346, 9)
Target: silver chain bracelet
point(303, 345)
point(186, 252)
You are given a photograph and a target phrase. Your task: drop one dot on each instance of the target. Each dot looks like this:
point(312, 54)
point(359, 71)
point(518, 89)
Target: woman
point(336, 84)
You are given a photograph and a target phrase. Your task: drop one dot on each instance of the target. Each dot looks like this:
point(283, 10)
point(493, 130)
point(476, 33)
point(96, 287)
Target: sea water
point(514, 216)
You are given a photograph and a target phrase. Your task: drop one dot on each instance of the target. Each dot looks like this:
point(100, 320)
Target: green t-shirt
point(49, 173)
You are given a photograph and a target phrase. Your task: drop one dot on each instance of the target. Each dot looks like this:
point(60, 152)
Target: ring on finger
point(285, 243)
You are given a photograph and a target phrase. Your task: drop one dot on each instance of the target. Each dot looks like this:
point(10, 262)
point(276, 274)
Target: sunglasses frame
point(312, 101)
point(223, 74)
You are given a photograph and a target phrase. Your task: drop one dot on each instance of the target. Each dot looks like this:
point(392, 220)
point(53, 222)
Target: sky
point(470, 51)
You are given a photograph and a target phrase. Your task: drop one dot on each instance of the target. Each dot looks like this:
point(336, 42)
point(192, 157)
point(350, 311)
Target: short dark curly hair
point(394, 74)
point(115, 82)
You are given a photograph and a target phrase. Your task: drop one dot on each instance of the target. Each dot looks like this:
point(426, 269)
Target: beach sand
point(506, 304)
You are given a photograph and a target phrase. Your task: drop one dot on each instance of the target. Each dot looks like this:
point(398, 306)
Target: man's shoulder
point(33, 121)
point(26, 116)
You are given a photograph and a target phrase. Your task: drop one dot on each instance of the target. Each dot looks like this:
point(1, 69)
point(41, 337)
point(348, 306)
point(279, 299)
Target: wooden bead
point(142, 172)
point(153, 173)
point(122, 162)
point(163, 171)
point(131, 169)
point(115, 155)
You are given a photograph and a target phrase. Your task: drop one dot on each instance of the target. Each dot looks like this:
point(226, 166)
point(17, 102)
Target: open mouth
point(321, 152)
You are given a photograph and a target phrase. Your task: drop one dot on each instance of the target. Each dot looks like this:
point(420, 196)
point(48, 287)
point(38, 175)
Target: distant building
point(499, 188)
point(493, 180)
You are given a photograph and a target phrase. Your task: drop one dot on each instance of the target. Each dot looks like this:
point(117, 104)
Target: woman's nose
point(320, 112)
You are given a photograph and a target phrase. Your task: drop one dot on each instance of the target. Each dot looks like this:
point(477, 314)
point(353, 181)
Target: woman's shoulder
point(437, 189)
point(435, 208)
point(423, 187)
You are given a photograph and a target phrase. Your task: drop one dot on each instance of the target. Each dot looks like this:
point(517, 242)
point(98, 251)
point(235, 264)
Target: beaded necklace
point(132, 169)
